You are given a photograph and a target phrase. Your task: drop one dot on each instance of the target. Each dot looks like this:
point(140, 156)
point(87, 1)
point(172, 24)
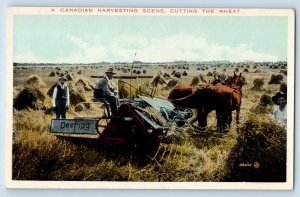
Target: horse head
point(234, 81)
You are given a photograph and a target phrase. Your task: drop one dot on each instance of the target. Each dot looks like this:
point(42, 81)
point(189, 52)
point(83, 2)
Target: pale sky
point(92, 39)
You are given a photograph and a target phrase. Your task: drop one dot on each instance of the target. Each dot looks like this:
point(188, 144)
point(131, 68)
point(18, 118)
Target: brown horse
point(205, 99)
point(208, 97)
point(236, 84)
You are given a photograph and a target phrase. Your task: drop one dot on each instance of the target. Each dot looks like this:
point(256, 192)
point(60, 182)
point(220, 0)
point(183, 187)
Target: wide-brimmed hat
point(62, 78)
point(278, 95)
point(110, 70)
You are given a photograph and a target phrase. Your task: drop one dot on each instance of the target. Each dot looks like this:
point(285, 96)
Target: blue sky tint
point(89, 39)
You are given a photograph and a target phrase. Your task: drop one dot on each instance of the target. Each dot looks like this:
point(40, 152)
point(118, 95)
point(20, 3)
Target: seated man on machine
point(106, 90)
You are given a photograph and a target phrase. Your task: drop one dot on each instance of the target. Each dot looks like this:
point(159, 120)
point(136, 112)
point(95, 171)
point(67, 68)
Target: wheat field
point(39, 155)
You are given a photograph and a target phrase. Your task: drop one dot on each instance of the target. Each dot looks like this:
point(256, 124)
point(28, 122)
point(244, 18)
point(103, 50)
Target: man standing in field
point(106, 89)
point(61, 98)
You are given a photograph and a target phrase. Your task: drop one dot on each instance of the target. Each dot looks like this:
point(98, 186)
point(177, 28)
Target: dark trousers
point(60, 109)
point(114, 102)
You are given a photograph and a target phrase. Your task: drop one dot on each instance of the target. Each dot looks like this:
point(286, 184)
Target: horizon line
point(141, 62)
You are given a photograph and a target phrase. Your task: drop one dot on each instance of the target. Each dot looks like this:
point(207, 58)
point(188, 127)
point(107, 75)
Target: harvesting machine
point(142, 122)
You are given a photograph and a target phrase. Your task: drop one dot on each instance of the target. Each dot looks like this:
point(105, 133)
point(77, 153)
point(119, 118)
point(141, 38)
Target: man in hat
point(280, 113)
point(106, 88)
point(61, 98)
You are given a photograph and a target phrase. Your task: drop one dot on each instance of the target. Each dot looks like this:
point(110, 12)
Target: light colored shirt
point(280, 116)
point(107, 86)
point(55, 93)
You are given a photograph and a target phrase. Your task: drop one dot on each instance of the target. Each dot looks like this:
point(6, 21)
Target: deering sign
point(74, 126)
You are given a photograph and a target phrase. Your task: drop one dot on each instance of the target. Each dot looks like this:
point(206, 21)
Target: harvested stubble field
point(38, 155)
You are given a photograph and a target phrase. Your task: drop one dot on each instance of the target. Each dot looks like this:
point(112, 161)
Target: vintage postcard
point(150, 98)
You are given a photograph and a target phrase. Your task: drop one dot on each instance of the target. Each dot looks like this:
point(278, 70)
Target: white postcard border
point(288, 185)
